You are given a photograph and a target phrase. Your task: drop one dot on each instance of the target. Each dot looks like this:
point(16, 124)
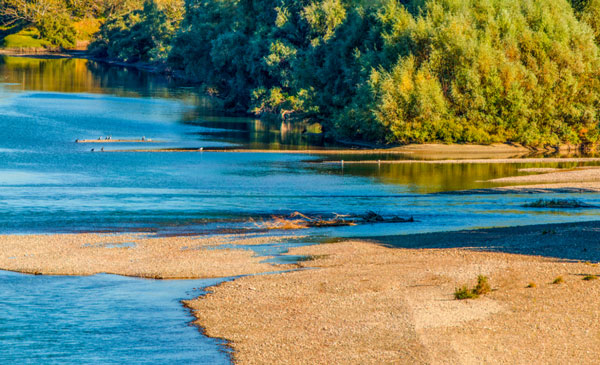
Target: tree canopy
point(404, 71)
point(139, 35)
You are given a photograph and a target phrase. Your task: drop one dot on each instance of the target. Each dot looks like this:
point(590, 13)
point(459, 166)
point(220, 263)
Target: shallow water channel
point(101, 319)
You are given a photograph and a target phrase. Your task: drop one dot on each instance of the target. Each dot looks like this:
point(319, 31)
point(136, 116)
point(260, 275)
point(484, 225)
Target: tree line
point(386, 71)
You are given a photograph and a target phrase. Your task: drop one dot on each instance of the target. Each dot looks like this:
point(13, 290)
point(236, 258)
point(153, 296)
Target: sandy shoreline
point(369, 301)
point(370, 304)
point(434, 151)
point(132, 255)
point(116, 141)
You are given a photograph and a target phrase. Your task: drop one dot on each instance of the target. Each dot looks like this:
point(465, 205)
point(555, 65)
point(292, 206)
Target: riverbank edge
point(485, 239)
point(43, 53)
point(424, 148)
point(495, 152)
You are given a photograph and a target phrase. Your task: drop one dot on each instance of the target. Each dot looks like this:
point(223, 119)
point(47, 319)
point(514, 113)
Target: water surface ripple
point(101, 319)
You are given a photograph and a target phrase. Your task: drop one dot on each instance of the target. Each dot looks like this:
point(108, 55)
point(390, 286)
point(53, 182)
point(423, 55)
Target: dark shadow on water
point(255, 133)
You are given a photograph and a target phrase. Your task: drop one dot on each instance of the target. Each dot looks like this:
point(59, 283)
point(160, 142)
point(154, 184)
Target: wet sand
point(583, 179)
point(426, 151)
point(472, 161)
point(131, 255)
point(116, 141)
point(365, 303)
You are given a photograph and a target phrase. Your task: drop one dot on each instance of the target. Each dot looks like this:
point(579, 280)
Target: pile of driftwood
point(372, 217)
point(298, 220)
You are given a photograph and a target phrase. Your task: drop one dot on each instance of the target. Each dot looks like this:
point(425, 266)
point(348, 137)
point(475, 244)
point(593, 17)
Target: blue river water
point(101, 319)
point(49, 183)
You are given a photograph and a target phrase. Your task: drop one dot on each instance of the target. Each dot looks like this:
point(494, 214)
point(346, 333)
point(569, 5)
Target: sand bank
point(425, 151)
point(299, 152)
point(579, 175)
point(433, 151)
point(371, 304)
point(116, 141)
point(471, 161)
point(578, 180)
point(539, 169)
point(131, 255)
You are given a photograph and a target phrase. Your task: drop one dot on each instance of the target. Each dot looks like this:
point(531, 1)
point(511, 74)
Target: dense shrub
point(139, 35)
point(403, 71)
point(57, 30)
point(482, 71)
point(389, 71)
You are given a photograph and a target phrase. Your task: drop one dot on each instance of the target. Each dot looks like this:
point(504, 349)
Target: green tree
point(495, 70)
point(141, 35)
point(58, 30)
point(403, 71)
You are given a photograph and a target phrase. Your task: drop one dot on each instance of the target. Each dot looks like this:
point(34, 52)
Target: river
point(50, 184)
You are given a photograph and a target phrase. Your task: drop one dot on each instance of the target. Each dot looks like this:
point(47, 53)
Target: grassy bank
point(24, 40)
